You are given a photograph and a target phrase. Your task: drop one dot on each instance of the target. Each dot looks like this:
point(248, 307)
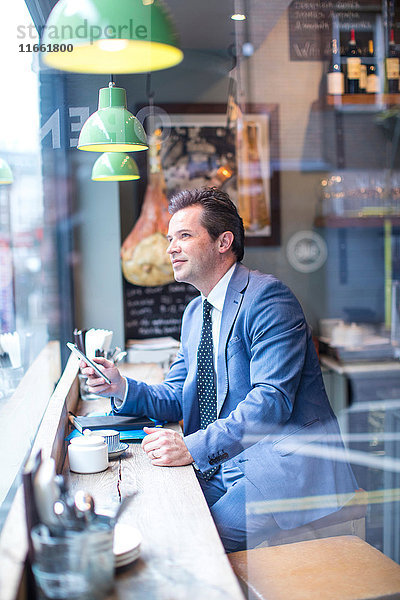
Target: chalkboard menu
point(311, 23)
point(155, 311)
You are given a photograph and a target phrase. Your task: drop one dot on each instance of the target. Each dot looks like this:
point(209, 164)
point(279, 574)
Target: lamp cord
point(149, 91)
point(150, 96)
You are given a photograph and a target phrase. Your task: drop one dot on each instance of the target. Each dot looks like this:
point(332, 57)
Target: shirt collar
point(217, 295)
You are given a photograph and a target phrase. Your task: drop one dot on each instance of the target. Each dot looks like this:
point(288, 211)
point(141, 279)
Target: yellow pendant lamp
point(110, 36)
point(115, 166)
point(6, 175)
point(112, 128)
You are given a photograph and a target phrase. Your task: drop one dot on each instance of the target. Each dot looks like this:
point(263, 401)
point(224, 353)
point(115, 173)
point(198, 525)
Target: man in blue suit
point(258, 426)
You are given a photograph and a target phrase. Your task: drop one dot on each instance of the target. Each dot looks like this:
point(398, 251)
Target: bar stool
point(334, 568)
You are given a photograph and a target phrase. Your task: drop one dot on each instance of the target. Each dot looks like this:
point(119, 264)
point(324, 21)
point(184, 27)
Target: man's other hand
point(165, 447)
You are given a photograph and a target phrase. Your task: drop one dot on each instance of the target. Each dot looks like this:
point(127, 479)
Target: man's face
point(193, 252)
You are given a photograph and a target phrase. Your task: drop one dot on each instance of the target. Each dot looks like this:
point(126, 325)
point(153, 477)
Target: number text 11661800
point(45, 47)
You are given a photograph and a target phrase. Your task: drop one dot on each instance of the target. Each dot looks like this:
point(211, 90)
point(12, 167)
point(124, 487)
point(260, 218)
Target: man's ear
point(225, 241)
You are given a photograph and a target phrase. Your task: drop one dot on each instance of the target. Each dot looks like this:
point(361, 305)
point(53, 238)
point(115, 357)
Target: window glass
point(313, 164)
point(25, 246)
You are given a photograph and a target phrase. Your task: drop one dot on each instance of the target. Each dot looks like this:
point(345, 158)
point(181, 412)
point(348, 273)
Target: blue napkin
point(133, 436)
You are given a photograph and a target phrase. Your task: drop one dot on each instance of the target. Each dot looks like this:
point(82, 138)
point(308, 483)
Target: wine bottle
point(353, 63)
point(335, 77)
point(372, 71)
point(392, 66)
point(363, 73)
point(363, 78)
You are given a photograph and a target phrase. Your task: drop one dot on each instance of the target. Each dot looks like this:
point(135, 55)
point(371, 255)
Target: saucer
point(126, 547)
point(127, 559)
point(120, 450)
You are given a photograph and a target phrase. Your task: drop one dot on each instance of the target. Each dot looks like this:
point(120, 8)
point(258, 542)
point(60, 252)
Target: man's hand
point(97, 385)
point(165, 447)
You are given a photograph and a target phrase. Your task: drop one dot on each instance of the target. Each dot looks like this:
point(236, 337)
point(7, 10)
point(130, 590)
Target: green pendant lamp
point(112, 128)
point(115, 166)
point(6, 175)
point(110, 36)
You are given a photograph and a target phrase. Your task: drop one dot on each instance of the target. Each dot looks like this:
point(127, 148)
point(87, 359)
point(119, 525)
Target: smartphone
point(74, 348)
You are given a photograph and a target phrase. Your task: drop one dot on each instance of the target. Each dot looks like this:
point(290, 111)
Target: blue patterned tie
point(206, 390)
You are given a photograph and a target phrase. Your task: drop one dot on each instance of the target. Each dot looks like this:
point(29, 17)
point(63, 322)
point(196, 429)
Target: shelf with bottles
point(378, 100)
point(357, 78)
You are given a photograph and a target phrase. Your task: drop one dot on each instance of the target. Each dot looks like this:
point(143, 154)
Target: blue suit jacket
point(272, 405)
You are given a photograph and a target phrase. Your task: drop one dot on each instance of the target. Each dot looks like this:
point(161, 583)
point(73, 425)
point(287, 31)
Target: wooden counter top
point(182, 556)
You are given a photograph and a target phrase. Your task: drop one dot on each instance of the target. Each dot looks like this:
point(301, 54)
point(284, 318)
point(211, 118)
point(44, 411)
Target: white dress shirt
point(217, 298)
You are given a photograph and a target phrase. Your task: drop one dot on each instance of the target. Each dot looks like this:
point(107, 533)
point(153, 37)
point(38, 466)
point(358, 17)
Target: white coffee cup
point(88, 454)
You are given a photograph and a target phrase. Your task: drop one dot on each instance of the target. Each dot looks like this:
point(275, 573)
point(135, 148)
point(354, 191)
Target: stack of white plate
point(127, 540)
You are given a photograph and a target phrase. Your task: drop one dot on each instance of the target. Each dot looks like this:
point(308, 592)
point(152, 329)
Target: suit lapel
point(233, 300)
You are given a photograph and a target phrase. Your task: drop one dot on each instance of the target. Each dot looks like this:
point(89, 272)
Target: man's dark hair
point(219, 213)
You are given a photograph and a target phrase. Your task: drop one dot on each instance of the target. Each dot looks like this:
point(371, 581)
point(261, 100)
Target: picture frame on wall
point(200, 149)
